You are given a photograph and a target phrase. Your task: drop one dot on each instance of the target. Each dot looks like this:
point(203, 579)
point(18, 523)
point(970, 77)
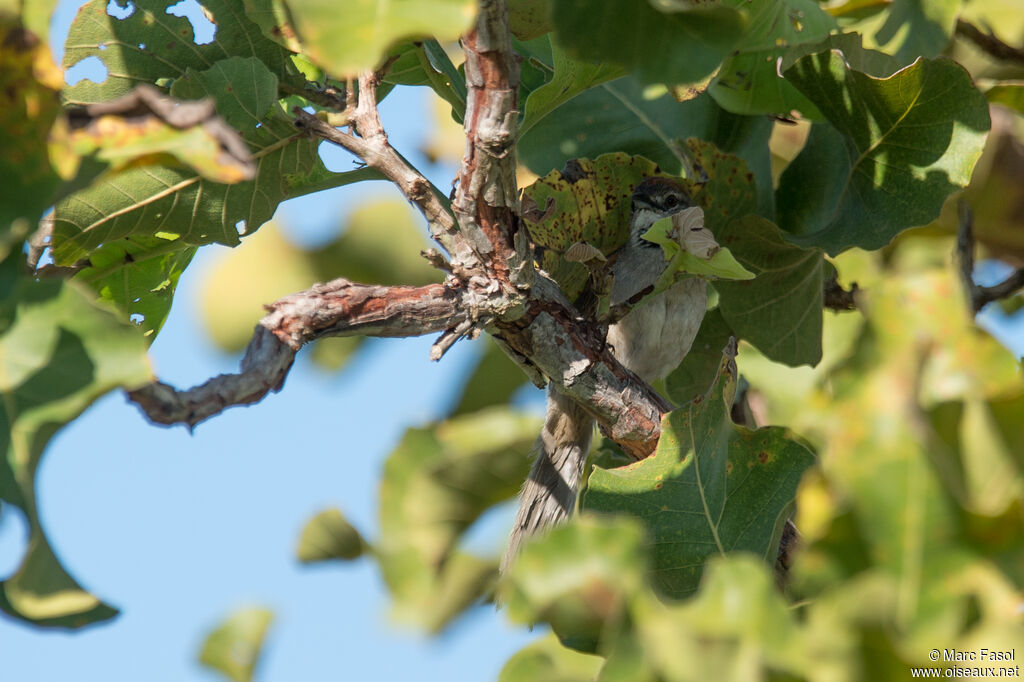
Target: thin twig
point(980, 296)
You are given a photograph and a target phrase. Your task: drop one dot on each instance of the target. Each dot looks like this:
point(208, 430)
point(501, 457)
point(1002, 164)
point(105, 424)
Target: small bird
point(651, 340)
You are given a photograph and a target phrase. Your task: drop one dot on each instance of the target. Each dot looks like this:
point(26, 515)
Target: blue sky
point(178, 530)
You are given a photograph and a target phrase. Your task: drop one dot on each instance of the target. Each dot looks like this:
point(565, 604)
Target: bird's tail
point(549, 494)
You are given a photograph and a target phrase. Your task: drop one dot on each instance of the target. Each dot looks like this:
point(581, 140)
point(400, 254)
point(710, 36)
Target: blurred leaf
point(579, 578)
point(494, 380)
point(29, 105)
point(735, 627)
point(347, 42)
point(749, 82)
point(546, 659)
point(529, 19)
point(436, 483)
point(234, 299)
point(710, 488)
point(328, 535)
point(168, 200)
point(380, 243)
point(60, 352)
point(145, 127)
point(893, 150)
point(150, 45)
point(910, 28)
point(665, 47)
point(1009, 94)
point(233, 648)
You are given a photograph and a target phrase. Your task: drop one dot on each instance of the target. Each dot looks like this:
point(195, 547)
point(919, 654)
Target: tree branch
point(980, 296)
point(989, 43)
point(492, 285)
point(338, 308)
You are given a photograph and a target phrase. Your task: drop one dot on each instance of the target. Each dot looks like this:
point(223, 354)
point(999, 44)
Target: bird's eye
point(671, 201)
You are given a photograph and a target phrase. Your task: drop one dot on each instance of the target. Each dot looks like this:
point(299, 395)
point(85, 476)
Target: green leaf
point(139, 277)
point(748, 82)
point(328, 535)
point(234, 647)
point(710, 488)
point(664, 47)
point(894, 149)
point(29, 105)
point(546, 659)
point(779, 311)
point(621, 116)
point(145, 127)
point(58, 353)
point(737, 627)
point(569, 78)
point(579, 578)
point(347, 42)
point(177, 203)
point(720, 265)
point(169, 46)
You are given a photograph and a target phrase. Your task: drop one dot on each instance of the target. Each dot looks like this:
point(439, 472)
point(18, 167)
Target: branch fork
point(492, 285)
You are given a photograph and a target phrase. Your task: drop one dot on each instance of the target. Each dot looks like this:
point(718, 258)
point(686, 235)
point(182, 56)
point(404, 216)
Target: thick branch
point(980, 296)
point(486, 199)
point(338, 308)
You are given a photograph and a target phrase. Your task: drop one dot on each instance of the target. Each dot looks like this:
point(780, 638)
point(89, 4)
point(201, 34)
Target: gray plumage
point(651, 340)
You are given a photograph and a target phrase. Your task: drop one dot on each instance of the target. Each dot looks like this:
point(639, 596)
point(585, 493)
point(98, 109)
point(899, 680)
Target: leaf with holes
point(586, 202)
point(150, 45)
point(139, 277)
point(893, 150)
point(712, 487)
point(176, 203)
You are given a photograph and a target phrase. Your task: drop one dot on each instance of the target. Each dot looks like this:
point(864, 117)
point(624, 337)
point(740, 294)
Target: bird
point(650, 340)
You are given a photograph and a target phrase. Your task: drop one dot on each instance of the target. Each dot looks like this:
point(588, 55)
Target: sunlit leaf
point(347, 42)
point(892, 151)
